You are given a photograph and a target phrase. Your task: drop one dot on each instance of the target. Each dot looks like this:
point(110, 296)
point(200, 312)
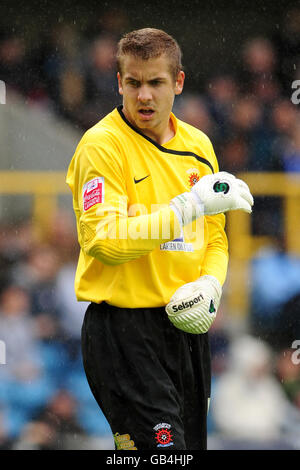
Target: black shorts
point(151, 380)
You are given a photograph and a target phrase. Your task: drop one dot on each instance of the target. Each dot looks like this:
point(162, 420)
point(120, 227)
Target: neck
point(161, 137)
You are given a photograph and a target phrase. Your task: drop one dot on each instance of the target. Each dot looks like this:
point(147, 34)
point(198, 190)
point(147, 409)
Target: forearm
point(215, 262)
point(115, 239)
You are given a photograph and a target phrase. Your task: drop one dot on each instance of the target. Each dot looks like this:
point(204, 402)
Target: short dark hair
point(149, 43)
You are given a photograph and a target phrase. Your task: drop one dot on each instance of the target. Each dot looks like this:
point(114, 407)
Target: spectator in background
point(249, 406)
point(23, 385)
point(285, 127)
point(18, 331)
point(47, 272)
point(275, 281)
point(62, 236)
point(244, 119)
point(112, 22)
point(5, 441)
point(43, 265)
point(71, 311)
point(259, 84)
point(194, 110)
point(235, 154)
point(36, 435)
point(102, 89)
point(37, 350)
point(259, 63)
point(54, 427)
point(58, 57)
point(249, 124)
point(39, 275)
point(57, 427)
point(14, 66)
point(259, 76)
point(246, 115)
point(16, 240)
point(283, 117)
point(219, 342)
point(291, 153)
point(72, 97)
point(60, 415)
point(222, 92)
point(266, 90)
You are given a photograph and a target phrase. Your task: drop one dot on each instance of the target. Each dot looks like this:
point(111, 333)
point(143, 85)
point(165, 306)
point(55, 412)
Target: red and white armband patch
point(93, 192)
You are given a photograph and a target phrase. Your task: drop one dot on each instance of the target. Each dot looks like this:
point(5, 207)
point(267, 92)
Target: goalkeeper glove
point(193, 307)
point(211, 195)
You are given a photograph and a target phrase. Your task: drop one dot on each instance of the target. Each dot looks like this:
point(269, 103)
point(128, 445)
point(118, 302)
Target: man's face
point(148, 90)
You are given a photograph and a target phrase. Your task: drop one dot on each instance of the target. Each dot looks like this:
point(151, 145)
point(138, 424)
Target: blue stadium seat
point(30, 396)
point(55, 361)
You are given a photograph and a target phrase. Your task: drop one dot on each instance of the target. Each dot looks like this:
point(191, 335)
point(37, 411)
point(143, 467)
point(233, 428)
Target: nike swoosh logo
point(141, 179)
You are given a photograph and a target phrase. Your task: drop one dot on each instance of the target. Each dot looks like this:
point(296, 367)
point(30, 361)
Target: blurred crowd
point(45, 402)
point(247, 112)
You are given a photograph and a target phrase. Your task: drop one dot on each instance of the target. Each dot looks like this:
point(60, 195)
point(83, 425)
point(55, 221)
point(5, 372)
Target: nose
point(144, 94)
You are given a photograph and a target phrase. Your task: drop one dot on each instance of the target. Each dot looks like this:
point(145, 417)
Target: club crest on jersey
point(193, 176)
point(163, 435)
point(93, 192)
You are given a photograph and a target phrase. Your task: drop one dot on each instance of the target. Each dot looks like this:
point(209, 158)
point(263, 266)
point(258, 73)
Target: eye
point(155, 82)
point(134, 83)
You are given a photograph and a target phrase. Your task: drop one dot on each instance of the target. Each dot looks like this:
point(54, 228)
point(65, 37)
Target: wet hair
point(149, 43)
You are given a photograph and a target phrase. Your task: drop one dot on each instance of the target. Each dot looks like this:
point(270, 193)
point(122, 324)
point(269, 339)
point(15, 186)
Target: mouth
point(146, 113)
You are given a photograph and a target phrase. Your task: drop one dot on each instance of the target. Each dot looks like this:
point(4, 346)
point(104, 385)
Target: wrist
point(214, 282)
point(187, 207)
point(177, 213)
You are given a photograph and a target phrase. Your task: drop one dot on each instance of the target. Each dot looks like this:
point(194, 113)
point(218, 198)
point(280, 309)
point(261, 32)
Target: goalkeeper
point(149, 201)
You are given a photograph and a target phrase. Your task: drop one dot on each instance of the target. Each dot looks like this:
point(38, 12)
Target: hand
point(223, 192)
point(194, 305)
point(212, 195)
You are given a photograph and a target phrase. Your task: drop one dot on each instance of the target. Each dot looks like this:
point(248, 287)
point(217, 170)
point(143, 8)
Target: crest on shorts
point(163, 435)
point(124, 442)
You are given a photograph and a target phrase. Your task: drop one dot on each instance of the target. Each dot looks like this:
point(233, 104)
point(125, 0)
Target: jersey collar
point(161, 147)
point(135, 129)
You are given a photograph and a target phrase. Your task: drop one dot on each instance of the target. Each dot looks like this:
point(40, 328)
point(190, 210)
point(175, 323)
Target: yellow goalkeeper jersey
point(134, 252)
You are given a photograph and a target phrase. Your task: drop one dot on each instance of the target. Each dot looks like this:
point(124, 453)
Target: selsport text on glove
point(193, 307)
point(212, 194)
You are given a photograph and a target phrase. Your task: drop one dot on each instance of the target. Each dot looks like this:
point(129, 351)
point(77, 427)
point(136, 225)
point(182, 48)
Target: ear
point(120, 83)
point(179, 82)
